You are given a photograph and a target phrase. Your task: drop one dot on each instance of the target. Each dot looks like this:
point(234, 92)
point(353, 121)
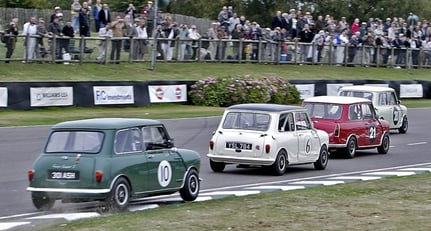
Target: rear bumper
point(69, 190)
point(241, 160)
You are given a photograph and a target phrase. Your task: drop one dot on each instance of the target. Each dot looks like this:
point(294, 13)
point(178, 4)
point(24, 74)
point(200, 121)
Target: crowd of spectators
point(291, 35)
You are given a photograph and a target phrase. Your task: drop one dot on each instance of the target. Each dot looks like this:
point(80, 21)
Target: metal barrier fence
point(132, 50)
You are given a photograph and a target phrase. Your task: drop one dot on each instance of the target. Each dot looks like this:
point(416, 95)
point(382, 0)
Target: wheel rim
point(121, 194)
point(282, 163)
point(193, 184)
point(386, 143)
point(324, 157)
point(352, 147)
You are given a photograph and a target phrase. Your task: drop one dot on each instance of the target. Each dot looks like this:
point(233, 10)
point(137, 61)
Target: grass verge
point(394, 203)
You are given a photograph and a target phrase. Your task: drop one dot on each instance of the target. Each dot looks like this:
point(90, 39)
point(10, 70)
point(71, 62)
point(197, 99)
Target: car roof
point(366, 88)
point(265, 107)
point(336, 99)
point(105, 123)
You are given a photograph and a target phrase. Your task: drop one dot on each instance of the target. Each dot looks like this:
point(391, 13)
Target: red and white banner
point(167, 93)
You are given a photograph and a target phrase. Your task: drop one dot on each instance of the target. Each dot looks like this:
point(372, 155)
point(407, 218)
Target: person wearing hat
point(11, 33)
point(57, 10)
point(42, 32)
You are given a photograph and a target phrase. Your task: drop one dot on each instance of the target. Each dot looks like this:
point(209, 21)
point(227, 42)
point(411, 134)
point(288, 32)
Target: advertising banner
point(333, 88)
point(3, 97)
point(105, 95)
point(411, 91)
point(305, 90)
point(51, 96)
point(167, 93)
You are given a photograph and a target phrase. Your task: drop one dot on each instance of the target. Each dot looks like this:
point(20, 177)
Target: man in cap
point(57, 10)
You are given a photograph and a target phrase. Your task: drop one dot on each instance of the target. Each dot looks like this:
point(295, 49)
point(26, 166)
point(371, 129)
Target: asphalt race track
point(20, 146)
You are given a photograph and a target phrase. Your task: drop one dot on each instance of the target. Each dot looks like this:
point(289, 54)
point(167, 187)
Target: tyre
point(42, 202)
point(119, 196)
point(384, 147)
point(190, 190)
point(404, 126)
point(321, 163)
point(350, 150)
point(280, 164)
point(217, 166)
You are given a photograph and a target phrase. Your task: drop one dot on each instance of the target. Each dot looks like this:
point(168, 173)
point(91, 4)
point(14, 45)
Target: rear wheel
point(190, 190)
point(321, 163)
point(384, 147)
point(350, 150)
point(404, 126)
point(280, 164)
point(42, 202)
point(217, 166)
point(119, 196)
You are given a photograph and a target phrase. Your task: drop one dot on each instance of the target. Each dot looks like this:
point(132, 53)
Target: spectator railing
point(86, 49)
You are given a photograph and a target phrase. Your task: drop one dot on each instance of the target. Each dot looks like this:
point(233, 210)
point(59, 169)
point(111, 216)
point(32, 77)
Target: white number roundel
point(164, 173)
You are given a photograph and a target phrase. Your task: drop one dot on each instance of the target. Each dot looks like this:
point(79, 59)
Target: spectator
point(354, 43)
point(42, 32)
point(256, 35)
point(68, 33)
point(412, 19)
point(340, 42)
point(87, 5)
point(118, 28)
point(75, 8)
point(84, 25)
point(57, 10)
point(148, 15)
point(183, 35)
point(306, 36)
point(237, 34)
point(96, 9)
point(277, 20)
point(172, 32)
point(104, 16)
point(400, 44)
point(30, 41)
point(104, 32)
point(54, 29)
point(140, 45)
point(195, 36)
point(131, 10)
point(11, 33)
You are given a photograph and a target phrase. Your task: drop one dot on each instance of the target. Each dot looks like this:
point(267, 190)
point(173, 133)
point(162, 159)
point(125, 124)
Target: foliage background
point(261, 11)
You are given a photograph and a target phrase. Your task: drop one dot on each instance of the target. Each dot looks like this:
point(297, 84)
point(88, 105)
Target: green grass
point(395, 203)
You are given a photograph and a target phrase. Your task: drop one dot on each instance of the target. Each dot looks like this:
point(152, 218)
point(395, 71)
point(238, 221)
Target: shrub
point(228, 91)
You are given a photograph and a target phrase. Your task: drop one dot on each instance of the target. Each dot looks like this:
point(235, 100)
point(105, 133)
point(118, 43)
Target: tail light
point(267, 148)
point(211, 145)
point(337, 130)
point(30, 174)
point(99, 176)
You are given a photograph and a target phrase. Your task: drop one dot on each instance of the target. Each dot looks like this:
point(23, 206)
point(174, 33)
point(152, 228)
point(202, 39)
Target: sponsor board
point(105, 95)
point(332, 89)
point(3, 97)
point(305, 90)
point(167, 93)
point(51, 96)
point(411, 91)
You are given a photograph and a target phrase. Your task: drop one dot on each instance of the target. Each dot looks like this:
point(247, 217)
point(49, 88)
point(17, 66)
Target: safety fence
point(51, 49)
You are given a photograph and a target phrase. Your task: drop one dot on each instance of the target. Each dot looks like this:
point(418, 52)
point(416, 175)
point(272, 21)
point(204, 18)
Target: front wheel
point(321, 163)
point(217, 166)
point(280, 165)
point(404, 126)
point(119, 196)
point(384, 147)
point(43, 202)
point(190, 190)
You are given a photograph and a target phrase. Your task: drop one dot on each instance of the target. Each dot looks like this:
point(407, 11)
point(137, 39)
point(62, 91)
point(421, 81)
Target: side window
point(355, 112)
point(383, 99)
point(128, 140)
point(286, 123)
point(155, 137)
point(392, 98)
point(302, 122)
point(367, 112)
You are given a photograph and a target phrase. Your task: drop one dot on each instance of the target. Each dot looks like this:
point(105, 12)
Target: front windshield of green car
point(75, 142)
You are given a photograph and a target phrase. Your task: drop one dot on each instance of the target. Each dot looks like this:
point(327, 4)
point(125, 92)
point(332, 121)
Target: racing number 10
point(164, 173)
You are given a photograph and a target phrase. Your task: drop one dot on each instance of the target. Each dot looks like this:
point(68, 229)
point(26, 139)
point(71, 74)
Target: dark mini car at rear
point(113, 160)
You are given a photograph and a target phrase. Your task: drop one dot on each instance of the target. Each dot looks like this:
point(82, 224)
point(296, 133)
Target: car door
point(357, 126)
point(389, 108)
point(166, 167)
point(375, 132)
point(308, 140)
point(288, 137)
